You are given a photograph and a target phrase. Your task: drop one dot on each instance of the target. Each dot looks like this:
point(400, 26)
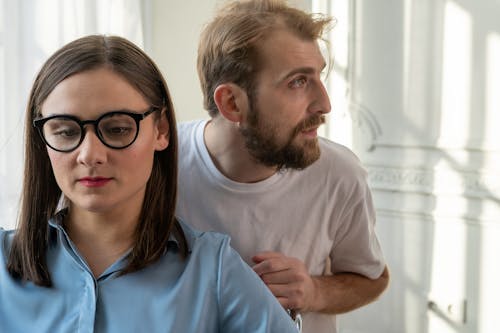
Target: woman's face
point(95, 177)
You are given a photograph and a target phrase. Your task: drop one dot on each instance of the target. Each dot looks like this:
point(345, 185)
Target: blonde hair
point(228, 50)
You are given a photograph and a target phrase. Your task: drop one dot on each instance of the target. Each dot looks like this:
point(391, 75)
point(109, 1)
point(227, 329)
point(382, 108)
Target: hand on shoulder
point(288, 280)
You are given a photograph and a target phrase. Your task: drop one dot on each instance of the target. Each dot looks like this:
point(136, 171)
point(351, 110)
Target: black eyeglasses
point(116, 129)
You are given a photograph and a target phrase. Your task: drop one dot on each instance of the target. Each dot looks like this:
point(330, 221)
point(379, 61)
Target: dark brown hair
point(41, 194)
point(228, 47)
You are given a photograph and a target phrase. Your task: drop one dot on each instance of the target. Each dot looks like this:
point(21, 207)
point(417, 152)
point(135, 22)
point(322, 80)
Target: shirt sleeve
point(356, 247)
point(246, 304)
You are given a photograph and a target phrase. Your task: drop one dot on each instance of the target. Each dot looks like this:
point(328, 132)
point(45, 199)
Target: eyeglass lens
point(115, 130)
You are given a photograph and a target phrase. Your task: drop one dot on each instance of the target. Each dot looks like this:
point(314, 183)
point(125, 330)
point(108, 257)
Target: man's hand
point(288, 280)
point(295, 289)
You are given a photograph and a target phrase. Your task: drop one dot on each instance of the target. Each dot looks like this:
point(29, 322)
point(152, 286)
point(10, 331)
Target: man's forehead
point(283, 52)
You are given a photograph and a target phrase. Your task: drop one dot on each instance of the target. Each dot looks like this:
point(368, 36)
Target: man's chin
point(301, 157)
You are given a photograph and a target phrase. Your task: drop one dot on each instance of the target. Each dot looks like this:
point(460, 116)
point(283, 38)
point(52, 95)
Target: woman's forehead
point(91, 93)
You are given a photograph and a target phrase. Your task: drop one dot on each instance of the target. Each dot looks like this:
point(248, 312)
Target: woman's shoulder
point(6, 237)
point(196, 238)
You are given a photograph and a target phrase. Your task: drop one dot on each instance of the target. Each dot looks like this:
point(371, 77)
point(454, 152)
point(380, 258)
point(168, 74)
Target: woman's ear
point(163, 132)
point(232, 101)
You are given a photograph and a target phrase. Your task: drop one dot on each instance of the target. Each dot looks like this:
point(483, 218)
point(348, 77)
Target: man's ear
point(232, 101)
point(162, 132)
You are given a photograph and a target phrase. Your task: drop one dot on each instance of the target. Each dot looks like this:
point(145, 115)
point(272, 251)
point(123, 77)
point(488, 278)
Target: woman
point(101, 169)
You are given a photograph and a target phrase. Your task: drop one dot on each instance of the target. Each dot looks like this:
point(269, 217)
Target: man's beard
point(261, 142)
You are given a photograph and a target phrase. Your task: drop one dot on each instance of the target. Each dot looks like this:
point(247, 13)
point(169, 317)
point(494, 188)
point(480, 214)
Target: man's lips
point(312, 131)
point(94, 181)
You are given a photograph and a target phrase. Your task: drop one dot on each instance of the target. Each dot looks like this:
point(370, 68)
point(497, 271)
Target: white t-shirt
point(322, 212)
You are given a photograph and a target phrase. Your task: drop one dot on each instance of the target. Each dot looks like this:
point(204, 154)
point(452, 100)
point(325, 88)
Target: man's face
point(288, 104)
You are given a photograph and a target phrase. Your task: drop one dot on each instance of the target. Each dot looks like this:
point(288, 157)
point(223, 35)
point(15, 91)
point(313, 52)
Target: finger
point(271, 265)
point(283, 301)
point(289, 295)
point(282, 277)
point(261, 256)
point(280, 290)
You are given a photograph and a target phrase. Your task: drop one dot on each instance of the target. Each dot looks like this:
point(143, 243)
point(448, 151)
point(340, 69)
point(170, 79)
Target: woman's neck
point(101, 238)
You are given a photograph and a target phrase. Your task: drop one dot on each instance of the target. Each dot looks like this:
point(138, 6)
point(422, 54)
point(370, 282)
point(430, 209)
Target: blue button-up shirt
point(212, 290)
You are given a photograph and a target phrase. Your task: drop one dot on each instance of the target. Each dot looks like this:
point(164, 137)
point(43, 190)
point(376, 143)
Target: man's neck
point(226, 147)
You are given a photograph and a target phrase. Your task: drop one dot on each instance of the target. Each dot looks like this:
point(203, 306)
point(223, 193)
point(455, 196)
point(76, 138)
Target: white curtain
point(30, 31)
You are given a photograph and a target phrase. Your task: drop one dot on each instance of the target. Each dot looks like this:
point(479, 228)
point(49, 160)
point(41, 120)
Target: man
point(297, 206)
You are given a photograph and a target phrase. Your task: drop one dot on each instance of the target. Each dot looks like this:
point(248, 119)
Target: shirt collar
point(57, 222)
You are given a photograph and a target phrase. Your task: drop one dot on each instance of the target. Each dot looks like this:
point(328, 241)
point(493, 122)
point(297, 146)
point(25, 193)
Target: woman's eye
point(118, 130)
point(66, 133)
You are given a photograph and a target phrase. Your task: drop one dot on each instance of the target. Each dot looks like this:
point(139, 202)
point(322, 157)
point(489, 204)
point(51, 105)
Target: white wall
point(176, 29)
point(425, 93)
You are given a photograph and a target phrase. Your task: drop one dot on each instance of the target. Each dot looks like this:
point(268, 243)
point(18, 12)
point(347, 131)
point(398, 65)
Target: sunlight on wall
point(340, 34)
point(46, 25)
point(448, 271)
point(123, 18)
point(489, 320)
point(60, 21)
point(3, 125)
point(55, 22)
point(455, 104)
point(339, 126)
point(448, 275)
point(412, 244)
point(407, 42)
point(340, 129)
point(447, 278)
point(492, 122)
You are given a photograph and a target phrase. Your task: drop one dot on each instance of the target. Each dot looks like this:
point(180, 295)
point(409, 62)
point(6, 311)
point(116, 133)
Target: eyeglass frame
point(38, 124)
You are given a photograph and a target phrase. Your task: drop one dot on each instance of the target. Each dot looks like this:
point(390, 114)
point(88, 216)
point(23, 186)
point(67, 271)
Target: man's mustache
point(311, 121)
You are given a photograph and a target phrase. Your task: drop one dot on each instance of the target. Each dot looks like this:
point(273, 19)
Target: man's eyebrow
point(300, 70)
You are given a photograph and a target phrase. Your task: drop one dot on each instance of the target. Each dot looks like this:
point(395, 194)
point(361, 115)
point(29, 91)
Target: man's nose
point(321, 102)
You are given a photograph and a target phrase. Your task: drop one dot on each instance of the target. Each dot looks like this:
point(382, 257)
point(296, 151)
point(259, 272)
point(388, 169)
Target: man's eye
point(298, 82)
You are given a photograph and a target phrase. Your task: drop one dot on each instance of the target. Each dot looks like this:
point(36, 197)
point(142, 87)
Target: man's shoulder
point(190, 133)
point(185, 128)
point(190, 143)
point(337, 165)
point(336, 155)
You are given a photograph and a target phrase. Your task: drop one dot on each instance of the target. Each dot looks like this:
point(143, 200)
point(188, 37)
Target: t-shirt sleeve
point(356, 248)
point(246, 304)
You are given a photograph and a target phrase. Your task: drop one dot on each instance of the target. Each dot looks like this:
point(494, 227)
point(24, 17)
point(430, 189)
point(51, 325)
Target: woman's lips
point(94, 181)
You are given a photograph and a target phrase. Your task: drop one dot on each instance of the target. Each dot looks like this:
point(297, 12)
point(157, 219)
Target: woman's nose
point(91, 151)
